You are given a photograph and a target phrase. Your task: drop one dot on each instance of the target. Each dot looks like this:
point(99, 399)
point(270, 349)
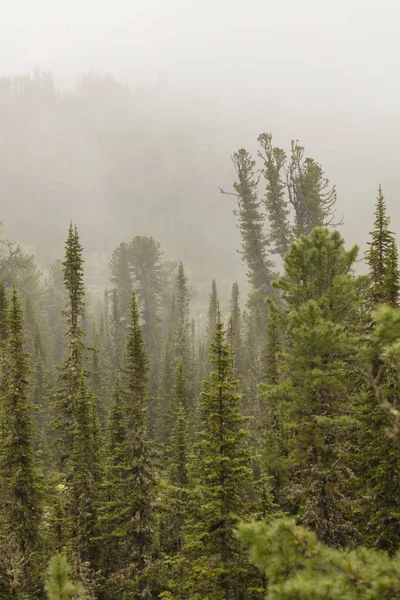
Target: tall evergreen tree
point(3, 337)
point(121, 278)
point(68, 394)
point(212, 310)
point(177, 493)
point(275, 202)
point(254, 246)
point(222, 468)
point(320, 292)
point(139, 483)
point(149, 280)
point(83, 478)
point(309, 193)
point(21, 510)
point(3, 313)
point(381, 256)
point(235, 330)
point(59, 585)
point(378, 456)
point(181, 329)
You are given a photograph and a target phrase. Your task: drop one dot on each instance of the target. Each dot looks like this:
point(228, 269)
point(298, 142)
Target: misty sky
point(323, 72)
point(343, 52)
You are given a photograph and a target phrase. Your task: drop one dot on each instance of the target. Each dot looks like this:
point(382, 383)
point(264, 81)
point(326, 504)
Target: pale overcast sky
point(330, 49)
point(325, 72)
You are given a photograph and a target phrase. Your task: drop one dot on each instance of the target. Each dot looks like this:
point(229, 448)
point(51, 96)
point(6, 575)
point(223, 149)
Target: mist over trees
point(173, 425)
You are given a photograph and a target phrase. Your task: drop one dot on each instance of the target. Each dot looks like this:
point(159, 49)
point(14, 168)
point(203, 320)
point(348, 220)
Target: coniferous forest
point(150, 448)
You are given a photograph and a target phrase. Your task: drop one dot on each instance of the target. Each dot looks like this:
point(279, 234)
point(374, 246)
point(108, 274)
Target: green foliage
point(71, 372)
point(382, 258)
point(313, 405)
point(254, 245)
point(58, 585)
point(130, 489)
point(378, 460)
point(235, 330)
point(298, 567)
point(275, 202)
point(120, 276)
point(223, 473)
point(21, 509)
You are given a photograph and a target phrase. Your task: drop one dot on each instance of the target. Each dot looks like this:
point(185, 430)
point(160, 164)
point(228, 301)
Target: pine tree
point(58, 585)
point(77, 423)
point(273, 349)
point(71, 372)
point(181, 329)
point(212, 310)
point(3, 338)
point(83, 477)
point(274, 455)
point(392, 278)
point(320, 291)
point(222, 468)
point(297, 566)
point(181, 317)
point(117, 332)
point(121, 278)
point(3, 313)
point(378, 458)
point(139, 478)
point(149, 280)
point(210, 328)
point(254, 246)
point(275, 202)
point(176, 493)
point(318, 417)
point(235, 330)
point(164, 425)
point(317, 267)
point(381, 254)
point(309, 194)
point(21, 510)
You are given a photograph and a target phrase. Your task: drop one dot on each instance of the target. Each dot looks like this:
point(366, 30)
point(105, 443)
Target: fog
point(143, 146)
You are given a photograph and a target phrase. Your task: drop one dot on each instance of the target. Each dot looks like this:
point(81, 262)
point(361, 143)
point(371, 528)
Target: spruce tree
point(77, 423)
point(381, 256)
point(21, 509)
point(273, 395)
point(139, 481)
point(121, 278)
point(320, 292)
point(210, 327)
point(309, 194)
point(318, 418)
point(59, 585)
point(235, 330)
point(297, 566)
point(222, 468)
point(176, 493)
point(378, 458)
point(181, 329)
point(275, 202)
point(163, 417)
point(3, 337)
point(149, 281)
point(83, 478)
point(113, 500)
point(212, 310)
point(273, 348)
point(117, 332)
point(254, 244)
point(3, 313)
point(68, 394)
